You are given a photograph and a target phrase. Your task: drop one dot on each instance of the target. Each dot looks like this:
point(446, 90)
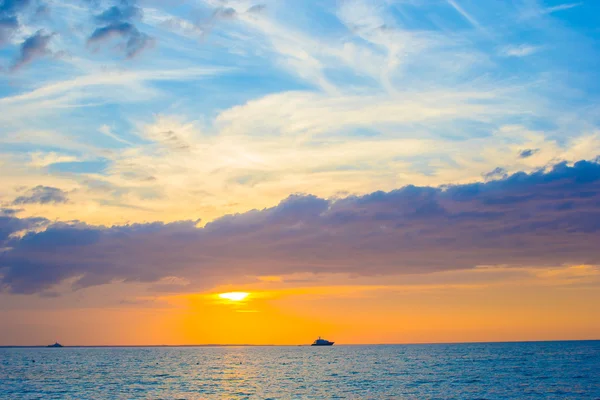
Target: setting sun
point(234, 296)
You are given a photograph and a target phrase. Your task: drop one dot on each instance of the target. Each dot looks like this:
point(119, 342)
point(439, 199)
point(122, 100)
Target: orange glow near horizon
point(487, 304)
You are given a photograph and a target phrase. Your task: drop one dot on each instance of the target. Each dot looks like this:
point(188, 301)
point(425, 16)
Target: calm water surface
point(551, 370)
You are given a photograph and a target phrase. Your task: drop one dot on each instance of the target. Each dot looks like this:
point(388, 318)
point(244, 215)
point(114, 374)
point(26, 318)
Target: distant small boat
point(56, 344)
point(322, 342)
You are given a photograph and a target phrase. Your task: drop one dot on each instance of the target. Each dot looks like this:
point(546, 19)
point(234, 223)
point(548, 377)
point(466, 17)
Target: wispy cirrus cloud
point(454, 4)
point(561, 7)
point(522, 50)
point(82, 90)
point(538, 9)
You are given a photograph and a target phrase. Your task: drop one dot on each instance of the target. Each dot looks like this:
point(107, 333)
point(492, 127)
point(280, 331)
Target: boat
point(322, 342)
point(56, 344)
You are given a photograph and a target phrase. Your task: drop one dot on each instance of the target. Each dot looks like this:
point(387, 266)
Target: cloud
point(464, 13)
point(11, 225)
point(496, 173)
point(520, 51)
point(42, 195)
point(201, 27)
point(45, 159)
point(114, 14)
point(117, 22)
point(34, 47)
point(546, 218)
point(106, 130)
point(224, 13)
point(528, 153)
point(561, 7)
point(257, 8)
point(536, 10)
point(180, 26)
point(9, 21)
point(170, 134)
point(135, 41)
point(10, 212)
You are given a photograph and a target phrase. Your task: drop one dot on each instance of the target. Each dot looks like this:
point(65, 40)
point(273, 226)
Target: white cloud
point(62, 91)
point(41, 159)
point(106, 130)
point(561, 7)
point(522, 50)
point(464, 13)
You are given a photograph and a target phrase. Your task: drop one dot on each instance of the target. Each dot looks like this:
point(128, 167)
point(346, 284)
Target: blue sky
point(117, 112)
point(234, 105)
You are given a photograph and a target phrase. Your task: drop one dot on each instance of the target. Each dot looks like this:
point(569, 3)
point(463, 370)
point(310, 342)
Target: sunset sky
point(376, 171)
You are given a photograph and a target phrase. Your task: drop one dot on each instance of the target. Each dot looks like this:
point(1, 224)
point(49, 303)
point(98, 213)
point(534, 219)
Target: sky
point(383, 171)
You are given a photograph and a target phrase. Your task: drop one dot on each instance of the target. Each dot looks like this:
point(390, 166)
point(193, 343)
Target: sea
point(532, 370)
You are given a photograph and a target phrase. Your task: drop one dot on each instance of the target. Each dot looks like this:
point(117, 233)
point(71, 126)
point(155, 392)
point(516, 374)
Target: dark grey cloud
point(8, 211)
point(42, 195)
point(9, 17)
point(10, 224)
point(118, 23)
point(34, 47)
point(544, 218)
point(496, 173)
point(528, 153)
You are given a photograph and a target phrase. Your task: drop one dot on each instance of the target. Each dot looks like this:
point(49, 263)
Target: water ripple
point(553, 370)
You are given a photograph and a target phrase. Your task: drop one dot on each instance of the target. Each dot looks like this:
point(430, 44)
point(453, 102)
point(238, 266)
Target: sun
point(234, 296)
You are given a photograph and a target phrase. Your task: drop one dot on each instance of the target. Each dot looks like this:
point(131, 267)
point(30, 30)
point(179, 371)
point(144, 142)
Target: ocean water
point(545, 370)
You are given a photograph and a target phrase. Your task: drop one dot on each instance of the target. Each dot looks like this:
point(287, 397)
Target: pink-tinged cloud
point(33, 48)
point(117, 22)
point(540, 219)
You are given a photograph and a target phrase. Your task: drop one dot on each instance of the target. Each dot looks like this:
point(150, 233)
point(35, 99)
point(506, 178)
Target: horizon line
point(298, 345)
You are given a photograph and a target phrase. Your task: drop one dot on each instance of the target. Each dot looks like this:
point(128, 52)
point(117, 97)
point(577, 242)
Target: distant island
point(56, 344)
